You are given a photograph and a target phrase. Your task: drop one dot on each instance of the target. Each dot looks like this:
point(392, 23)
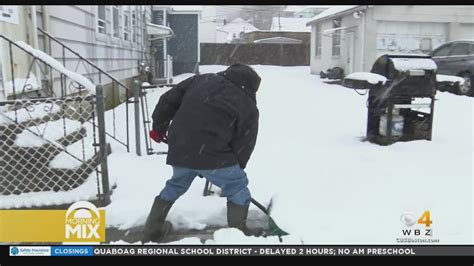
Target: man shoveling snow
point(213, 134)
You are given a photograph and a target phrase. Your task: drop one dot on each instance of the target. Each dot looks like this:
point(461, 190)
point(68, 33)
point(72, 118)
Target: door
point(350, 46)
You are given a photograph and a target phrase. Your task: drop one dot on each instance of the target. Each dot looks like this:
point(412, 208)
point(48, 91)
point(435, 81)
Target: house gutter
point(355, 9)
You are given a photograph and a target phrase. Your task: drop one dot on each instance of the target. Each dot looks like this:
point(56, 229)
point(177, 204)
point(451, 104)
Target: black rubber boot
point(155, 223)
point(237, 218)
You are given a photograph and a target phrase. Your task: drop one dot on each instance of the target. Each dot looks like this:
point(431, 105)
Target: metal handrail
point(83, 58)
point(11, 43)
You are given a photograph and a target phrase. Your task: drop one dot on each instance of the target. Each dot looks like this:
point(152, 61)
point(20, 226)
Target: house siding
point(75, 26)
point(457, 21)
point(20, 60)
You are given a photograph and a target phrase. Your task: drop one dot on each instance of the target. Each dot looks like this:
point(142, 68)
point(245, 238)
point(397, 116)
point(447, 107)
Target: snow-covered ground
point(328, 186)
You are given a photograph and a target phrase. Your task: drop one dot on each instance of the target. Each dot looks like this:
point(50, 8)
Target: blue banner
point(72, 251)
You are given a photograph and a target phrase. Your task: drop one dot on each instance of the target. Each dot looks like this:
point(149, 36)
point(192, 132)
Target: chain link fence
point(52, 144)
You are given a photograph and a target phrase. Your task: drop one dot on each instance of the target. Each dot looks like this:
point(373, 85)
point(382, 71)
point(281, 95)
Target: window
point(134, 24)
point(126, 24)
point(336, 37)
point(317, 46)
point(443, 50)
point(116, 21)
point(101, 24)
point(460, 49)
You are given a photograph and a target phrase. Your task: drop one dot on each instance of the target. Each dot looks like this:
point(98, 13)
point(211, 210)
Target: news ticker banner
point(241, 251)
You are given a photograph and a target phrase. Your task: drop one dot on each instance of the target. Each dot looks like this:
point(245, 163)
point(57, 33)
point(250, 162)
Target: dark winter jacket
point(214, 119)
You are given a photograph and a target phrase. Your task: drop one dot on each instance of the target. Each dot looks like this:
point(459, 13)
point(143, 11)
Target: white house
point(352, 37)
point(214, 17)
point(234, 30)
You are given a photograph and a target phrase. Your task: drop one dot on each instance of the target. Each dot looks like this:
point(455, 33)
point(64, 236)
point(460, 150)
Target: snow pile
point(404, 64)
point(449, 78)
point(22, 85)
point(28, 113)
point(59, 67)
point(372, 78)
point(50, 131)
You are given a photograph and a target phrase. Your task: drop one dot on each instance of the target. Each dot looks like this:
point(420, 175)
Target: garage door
point(410, 37)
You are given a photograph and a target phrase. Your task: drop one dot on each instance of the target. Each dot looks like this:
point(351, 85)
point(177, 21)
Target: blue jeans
point(232, 180)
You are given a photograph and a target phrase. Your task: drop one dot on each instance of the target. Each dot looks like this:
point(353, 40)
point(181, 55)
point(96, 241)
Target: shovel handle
point(260, 206)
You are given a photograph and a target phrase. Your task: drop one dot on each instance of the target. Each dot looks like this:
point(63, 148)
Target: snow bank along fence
point(255, 54)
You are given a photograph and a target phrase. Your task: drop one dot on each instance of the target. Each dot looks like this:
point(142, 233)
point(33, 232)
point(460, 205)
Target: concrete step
point(9, 132)
point(73, 137)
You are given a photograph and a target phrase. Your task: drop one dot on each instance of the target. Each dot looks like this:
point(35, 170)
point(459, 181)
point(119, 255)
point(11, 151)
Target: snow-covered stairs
point(30, 145)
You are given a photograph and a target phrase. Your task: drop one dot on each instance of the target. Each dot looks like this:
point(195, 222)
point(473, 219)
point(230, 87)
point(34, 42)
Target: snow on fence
point(49, 145)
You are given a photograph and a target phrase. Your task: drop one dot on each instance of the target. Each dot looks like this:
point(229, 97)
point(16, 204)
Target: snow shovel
point(273, 228)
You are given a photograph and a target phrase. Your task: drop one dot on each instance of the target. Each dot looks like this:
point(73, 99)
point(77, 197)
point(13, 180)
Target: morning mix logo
point(84, 223)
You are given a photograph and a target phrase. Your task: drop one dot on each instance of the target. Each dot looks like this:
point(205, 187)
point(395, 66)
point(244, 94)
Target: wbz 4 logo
point(409, 220)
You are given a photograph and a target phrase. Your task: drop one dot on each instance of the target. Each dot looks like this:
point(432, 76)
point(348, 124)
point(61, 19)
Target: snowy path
point(329, 187)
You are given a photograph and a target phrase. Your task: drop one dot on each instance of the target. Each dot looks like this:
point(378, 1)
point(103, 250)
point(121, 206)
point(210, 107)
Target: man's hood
point(243, 76)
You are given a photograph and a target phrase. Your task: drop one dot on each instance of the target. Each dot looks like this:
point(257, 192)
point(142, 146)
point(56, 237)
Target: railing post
point(136, 101)
point(102, 143)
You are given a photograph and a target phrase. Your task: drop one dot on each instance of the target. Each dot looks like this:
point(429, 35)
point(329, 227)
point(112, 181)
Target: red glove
point(158, 136)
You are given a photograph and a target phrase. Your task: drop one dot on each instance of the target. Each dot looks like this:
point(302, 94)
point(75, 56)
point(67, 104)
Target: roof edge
point(357, 8)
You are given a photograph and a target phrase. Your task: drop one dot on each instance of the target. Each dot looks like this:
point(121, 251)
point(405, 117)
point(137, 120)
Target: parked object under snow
point(332, 73)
